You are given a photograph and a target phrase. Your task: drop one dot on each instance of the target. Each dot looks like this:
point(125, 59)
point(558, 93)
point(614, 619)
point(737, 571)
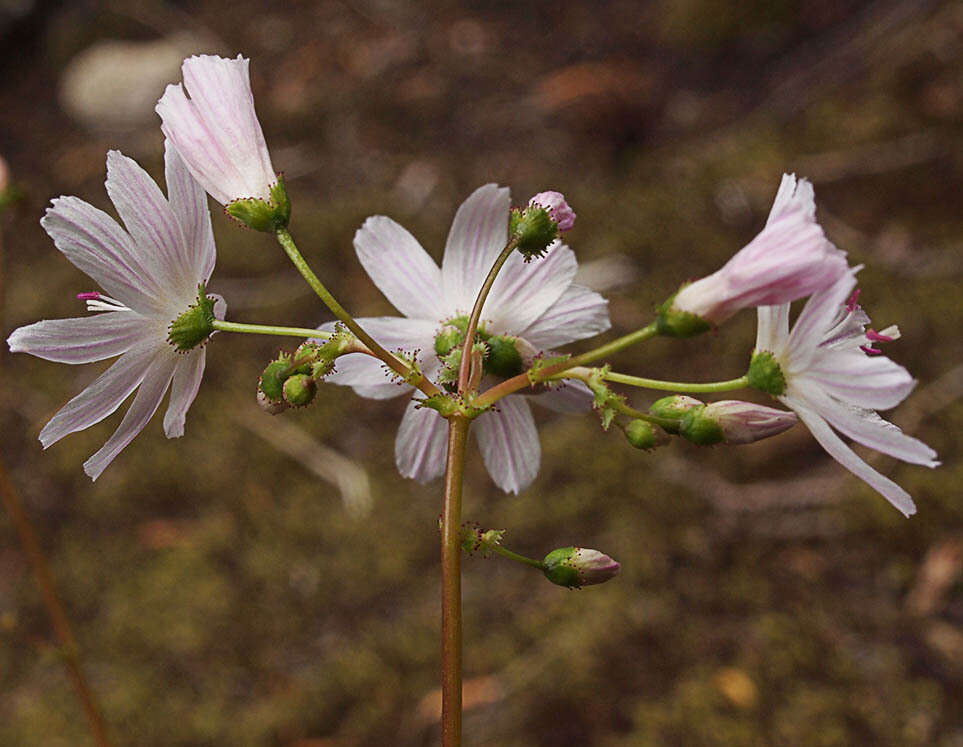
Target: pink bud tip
point(554, 203)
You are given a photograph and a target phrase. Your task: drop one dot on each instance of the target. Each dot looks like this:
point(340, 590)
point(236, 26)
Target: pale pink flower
point(834, 378)
point(150, 274)
point(558, 209)
point(790, 258)
point(746, 422)
point(537, 302)
point(216, 130)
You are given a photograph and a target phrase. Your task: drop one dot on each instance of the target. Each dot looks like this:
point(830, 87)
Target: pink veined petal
point(866, 427)
point(523, 292)
point(873, 382)
point(478, 233)
point(773, 328)
point(83, 339)
point(188, 202)
point(815, 319)
point(208, 159)
point(839, 451)
point(96, 245)
point(188, 371)
point(158, 239)
point(145, 404)
point(103, 396)
point(509, 444)
point(401, 268)
point(790, 194)
point(221, 90)
point(569, 397)
point(577, 314)
point(422, 443)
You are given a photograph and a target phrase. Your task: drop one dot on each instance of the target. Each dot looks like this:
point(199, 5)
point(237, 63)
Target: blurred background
point(273, 581)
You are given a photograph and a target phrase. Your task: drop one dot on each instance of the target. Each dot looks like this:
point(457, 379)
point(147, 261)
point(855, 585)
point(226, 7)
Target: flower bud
point(644, 435)
point(299, 390)
point(576, 567)
point(735, 422)
point(558, 209)
point(533, 230)
point(503, 357)
point(272, 379)
point(673, 407)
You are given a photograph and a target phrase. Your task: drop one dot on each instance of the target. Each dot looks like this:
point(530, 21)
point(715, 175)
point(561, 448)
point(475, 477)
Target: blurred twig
point(346, 475)
point(55, 609)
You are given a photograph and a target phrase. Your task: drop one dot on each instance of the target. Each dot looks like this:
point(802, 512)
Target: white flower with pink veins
point(537, 302)
point(833, 377)
point(150, 273)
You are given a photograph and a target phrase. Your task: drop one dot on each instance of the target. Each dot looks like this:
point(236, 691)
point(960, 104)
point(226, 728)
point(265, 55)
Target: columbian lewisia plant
point(479, 337)
point(150, 274)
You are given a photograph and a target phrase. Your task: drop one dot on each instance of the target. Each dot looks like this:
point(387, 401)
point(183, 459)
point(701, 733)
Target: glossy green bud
point(644, 435)
point(299, 390)
point(273, 376)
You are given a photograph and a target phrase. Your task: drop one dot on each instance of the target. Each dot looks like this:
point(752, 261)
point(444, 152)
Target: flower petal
point(523, 292)
point(792, 194)
point(188, 371)
point(157, 236)
point(400, 267)
point(478, 233)
point(874, 382)
point(422, 443)
point(509, 444)
point(570, 397)
point(96, 245)
point(839, 451)
point(773, 328)
point(188, 201)
point(145, 404)
point(83, 339)
point(103, 396)
point(578, 313)
point(866, 426)
point(815, 319)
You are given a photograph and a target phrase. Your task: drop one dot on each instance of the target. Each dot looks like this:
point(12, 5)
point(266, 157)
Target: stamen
point(873, 336)
point(869, 350)
point(88, 296)
point(851, 304)
point(97, 301)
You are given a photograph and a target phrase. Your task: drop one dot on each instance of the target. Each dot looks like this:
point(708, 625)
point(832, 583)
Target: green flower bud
point(644, 435)
point(576, 567)
point(503, 358)
point(299, 390)
point(195, 325)
point(449, 337)
point(534, 230)
point(695, 426)
point(673, 407)
point(273, 376)
point(766, 375)
point(262, 215)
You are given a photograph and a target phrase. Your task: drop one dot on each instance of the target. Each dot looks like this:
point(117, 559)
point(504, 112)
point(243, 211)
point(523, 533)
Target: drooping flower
point(150, 273)
point(531, 308)
point(789, 259)
point(827, 371)
point(216, 130)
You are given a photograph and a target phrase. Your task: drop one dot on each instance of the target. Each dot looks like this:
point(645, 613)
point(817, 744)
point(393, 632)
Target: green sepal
point(195, 325)
point(766, 375)
point(671, 322)
point(503, 358)
point(560, 567)
point(474, 539)
point(445, 405)
point(673, 407)
point(282, 204)
point(273, 376)
point(699, 429)
point(263, 215)
point(533, 230)
point(299, 390)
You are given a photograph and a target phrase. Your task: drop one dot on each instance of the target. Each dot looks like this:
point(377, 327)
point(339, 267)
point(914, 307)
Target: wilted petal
point(188, 371)
point(478, 233)
point(839, 451)
point(145, 404)
point(509, 444)
point(401, 268)
point(81, 339)
point(102, 397)
point(422, 443)
point(577, 314)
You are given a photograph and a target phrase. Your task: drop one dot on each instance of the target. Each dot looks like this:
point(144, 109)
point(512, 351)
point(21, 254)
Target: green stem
point(464, 367)
point(451, 625)
point(269, 329)
point(675, 386)
point(55, 608)
point(506, 553)
point(530, 378)
point(398, 366)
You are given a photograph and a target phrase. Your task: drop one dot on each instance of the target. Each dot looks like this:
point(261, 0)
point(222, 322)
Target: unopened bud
point(735, 422)
point(503, 357)
point(273, 376)
point(576, 567)
point(644, 435)
point(299, 390)
point(533, 230)
point(673, 407)
point(558, 209)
